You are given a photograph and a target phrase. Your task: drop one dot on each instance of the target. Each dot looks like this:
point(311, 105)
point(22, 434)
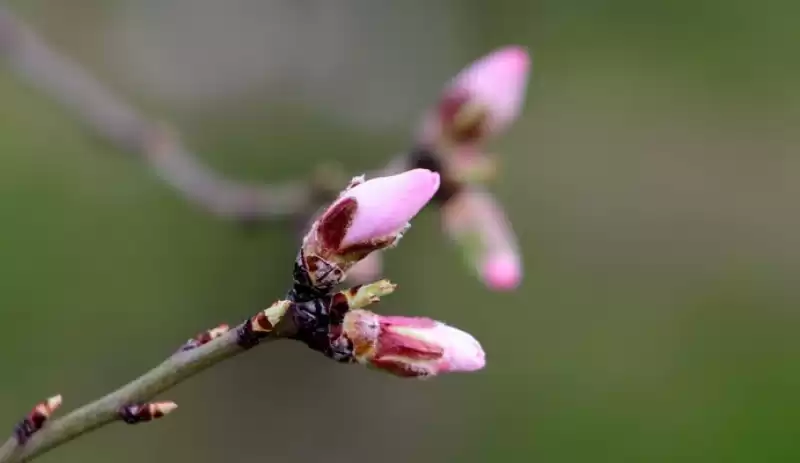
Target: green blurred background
point(653, 181)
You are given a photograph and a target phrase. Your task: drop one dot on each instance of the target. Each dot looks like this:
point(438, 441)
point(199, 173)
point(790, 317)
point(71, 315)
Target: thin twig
point(105, 410)
point(113, 119)
point(200, 353)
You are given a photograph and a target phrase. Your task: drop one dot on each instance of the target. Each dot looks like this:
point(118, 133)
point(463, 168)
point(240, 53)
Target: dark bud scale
point(318, 325)
point(303, 288)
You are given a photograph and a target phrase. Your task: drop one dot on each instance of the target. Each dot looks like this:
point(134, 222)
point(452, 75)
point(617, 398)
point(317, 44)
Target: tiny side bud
point(205, 337)
point(260, 325)
point(36, 419)
point(144, 412)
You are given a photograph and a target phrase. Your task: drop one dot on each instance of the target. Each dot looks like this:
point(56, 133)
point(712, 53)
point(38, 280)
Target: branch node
point(260, 325)
point(319, 321)
point(325, 276)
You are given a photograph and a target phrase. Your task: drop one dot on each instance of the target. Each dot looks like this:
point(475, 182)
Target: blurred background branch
point(111, 118)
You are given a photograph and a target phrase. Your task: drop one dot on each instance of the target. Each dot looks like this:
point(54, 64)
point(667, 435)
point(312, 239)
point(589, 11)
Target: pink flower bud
point(502, 271)
point(411, 346)
point(367, 216)
point(480, 101)
point(373, 211)
point(496, 82)
point(475, 221)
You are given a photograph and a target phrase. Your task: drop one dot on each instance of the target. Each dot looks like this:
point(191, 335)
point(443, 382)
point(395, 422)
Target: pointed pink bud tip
point(462, 352)
point(497, 81)
point(502, 272)
point(384, 205)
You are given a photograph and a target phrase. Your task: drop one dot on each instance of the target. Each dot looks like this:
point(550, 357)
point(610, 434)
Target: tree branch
point(111, 118)
point(279, 321)
point(106, 409)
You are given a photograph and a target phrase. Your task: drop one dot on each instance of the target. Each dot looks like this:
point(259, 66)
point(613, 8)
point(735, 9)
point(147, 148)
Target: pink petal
point(502, 272)
point(498, 80)
point(476, 221)
point(386, 204)
point(408, 322)
point(462, 352)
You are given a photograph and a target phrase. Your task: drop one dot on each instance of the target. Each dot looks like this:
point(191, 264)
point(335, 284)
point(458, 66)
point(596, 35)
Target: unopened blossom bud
point(477, 223)
point(367, 216)
point(495, 83)
point(411, 346)
point(482, 100)
point(386, 204)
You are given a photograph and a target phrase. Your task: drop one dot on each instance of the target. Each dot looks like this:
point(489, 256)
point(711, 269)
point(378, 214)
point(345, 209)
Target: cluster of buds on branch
point(477, 105)
point(368, 216)
point(447, 166)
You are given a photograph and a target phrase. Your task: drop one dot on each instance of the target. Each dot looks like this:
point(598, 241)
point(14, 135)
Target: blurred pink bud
point(411, 346)
point(502, 271)
point(497, 82)
point(476, 222)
